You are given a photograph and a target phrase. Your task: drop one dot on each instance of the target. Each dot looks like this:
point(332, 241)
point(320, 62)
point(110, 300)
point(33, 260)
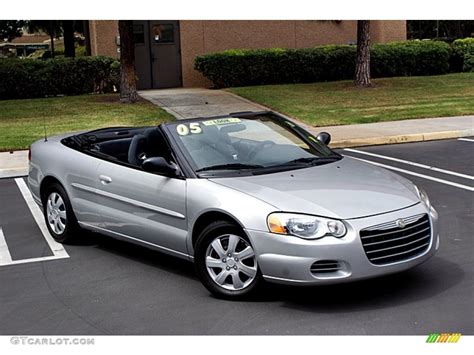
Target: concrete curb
point(13, 173)
point(13, 164)
point(404, 138)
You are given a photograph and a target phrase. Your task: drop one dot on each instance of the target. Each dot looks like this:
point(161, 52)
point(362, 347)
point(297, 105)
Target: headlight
point(304, 226)
point(423, 196)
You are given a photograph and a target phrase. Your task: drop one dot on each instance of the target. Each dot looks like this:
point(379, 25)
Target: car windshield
point(248, 144)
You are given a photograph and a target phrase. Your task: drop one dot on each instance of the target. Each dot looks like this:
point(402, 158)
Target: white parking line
point(5, 257)
point(466, 139)
point(446, 182)
point(58, 250)
point(34, 260)
point(423, 166)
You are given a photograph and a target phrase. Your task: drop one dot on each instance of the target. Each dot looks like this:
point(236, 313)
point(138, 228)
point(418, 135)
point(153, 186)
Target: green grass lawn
point(21, 121)
point(338, 103)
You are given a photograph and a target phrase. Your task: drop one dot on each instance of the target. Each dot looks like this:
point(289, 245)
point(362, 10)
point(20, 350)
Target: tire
point(58, 214)
point(226, 277)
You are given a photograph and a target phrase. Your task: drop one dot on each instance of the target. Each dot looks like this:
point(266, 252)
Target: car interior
point(129, 146)
point(133, 146)
point(218, 146)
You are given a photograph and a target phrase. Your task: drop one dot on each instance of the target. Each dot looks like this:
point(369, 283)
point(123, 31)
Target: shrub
point(463, 54)
point(29, 78)
point(327, 63)
point(274, 66)
point(468, 63)
point(465, 44)
point(410, 58)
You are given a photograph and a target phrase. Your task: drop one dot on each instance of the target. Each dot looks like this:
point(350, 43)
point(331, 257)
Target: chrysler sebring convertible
point(247, 197)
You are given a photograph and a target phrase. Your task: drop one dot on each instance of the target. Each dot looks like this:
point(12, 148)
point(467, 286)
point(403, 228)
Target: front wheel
point(59, 216)
point(225, 261)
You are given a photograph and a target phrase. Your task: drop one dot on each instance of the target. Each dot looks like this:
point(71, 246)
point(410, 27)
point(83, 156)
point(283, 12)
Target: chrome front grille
point(397, 240)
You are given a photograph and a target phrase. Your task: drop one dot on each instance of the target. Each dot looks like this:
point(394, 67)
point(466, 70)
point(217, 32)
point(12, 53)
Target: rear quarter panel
point(53, 159)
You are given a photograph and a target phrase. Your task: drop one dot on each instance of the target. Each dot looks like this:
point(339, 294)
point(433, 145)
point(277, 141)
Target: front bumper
point(287, 259)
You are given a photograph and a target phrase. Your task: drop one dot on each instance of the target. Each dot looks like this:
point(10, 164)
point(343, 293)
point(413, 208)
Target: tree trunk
point(68, 35)
point(458, 29)
point(128, 82)
point(51, 35)
point(362, 72)
point(87, 35)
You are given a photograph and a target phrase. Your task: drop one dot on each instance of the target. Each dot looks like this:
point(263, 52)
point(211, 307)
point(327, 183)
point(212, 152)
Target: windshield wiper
point(313, 160)
point(231, 166)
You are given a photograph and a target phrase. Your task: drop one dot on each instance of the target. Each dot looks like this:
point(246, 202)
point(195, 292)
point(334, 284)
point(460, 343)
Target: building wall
point(102, 37)
point(388, 31)
point(200, 37)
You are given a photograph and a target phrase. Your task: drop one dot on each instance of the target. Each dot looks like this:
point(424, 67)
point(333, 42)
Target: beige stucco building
point(165, 50)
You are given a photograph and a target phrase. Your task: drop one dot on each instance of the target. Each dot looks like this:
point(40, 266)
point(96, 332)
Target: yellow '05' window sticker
point(183, 129)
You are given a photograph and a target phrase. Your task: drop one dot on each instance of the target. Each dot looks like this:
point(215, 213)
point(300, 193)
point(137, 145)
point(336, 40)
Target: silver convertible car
point(248, 197)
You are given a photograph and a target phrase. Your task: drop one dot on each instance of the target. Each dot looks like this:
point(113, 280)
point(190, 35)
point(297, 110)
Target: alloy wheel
point(231, 262)
point(56, 213)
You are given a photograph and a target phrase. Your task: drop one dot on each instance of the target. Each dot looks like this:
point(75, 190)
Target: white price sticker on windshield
point(219, 121)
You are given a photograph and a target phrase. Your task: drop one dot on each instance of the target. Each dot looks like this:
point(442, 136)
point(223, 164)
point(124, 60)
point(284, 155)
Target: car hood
point(344, 189)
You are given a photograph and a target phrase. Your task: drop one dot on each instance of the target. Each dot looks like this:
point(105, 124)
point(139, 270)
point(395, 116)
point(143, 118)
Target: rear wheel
point(226, 262)
point(58, 214)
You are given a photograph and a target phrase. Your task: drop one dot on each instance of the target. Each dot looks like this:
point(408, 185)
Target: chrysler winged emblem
point(400, 223)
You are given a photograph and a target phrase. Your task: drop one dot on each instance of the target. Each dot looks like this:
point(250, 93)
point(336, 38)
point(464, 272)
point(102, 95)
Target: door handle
point(105, 179)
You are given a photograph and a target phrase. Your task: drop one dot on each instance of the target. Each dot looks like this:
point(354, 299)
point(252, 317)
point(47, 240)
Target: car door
point(144, 206)
point(79, 171)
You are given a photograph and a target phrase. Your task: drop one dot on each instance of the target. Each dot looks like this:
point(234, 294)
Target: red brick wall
point(103, 34)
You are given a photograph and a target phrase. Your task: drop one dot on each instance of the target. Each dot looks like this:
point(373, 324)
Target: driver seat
point(144, 146)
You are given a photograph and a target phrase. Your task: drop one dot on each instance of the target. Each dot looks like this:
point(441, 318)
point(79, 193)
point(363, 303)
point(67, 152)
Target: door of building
point(157, 54)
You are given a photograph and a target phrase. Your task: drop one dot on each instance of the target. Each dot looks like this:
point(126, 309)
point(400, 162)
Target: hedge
point(463, 50)
point(278, 66)
point(30, 78)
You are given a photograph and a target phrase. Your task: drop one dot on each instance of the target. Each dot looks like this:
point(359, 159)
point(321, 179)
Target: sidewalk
point(416, 130)
point(197, 102)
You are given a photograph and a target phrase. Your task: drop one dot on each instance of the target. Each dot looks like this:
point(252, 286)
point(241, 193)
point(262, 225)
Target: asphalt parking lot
point(104, 286)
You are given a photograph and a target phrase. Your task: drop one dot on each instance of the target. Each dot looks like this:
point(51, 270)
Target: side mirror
point(160, 166)
point(324, 137)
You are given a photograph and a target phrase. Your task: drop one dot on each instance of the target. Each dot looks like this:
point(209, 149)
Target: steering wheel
point(259, 147)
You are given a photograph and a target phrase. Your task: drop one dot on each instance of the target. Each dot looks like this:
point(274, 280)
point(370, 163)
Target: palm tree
point(362, 71)
point(128, 80)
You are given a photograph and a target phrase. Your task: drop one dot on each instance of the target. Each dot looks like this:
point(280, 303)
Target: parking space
point(104, 286)
point(452, 160)
point(23, 234)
